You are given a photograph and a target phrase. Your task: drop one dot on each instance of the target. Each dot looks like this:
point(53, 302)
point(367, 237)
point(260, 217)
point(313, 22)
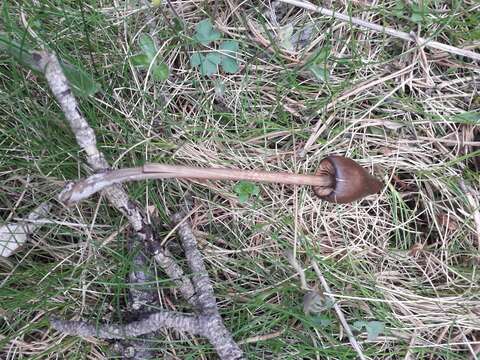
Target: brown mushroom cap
point(350, 181)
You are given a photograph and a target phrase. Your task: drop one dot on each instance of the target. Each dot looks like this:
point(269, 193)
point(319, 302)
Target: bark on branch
point(199, 293)
point(170, 320)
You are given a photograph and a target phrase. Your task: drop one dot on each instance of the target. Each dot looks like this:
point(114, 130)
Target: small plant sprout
point(245, 190)
point(225, 56)
point(148, 59)
point(338, 179)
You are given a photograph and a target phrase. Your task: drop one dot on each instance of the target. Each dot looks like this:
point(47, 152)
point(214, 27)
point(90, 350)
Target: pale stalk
point(87, 187)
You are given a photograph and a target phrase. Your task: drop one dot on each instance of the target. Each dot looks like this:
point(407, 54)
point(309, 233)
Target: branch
point(339, 312)
point(212, 325)
point(172, 320)
point(382, 29)
point(49, 65)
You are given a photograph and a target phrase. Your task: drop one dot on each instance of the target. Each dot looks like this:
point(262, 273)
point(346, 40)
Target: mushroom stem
point(187, 172)
point(338, 179)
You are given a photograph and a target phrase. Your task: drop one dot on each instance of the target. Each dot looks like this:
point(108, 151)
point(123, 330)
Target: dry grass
point(407, 257)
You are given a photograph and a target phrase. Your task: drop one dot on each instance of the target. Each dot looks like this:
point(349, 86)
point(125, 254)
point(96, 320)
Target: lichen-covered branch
point(201, 281)
point(153, 322)
point(200, 294)
point(85, 136)
point(211, 322)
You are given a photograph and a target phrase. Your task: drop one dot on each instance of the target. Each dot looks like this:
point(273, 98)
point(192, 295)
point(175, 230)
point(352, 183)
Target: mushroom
point(338, 179)
point(350, 181)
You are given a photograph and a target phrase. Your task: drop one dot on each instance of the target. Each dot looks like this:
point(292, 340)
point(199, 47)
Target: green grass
point(76, 266)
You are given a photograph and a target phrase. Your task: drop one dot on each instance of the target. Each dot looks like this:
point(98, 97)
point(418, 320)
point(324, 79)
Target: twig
point(214, 329)
point(475, 207)
point(339, 312)
point(14, 234)
point(298, 268)
point(258, 338)
point(165, 319)
point(85, 136)
point(207, 322)
point(382, 29)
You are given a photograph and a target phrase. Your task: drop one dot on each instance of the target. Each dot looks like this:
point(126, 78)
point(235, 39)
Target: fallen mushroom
point(338, 179)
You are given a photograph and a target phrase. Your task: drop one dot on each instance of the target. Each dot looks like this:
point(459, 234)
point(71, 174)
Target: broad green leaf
point(229, 51)
point(416, 17)
point(196, 59)
point(245, 190)
point(207, 66)
point(140, 60)
point(399, 9)
point(322, 321)
point(243, 198)
point(230, 65)
point(374, 328)
point(148, 46)
point(230, 46)
point(418, 13)
point(359, 324)
point(82, 81)
point(214, 57)
point(205, 33)
point(161, 72)
point(468, 117)
point(323, 54)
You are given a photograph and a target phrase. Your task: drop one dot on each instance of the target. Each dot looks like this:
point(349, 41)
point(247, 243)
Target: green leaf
point(208, 65)
point(196, 59)
point(359, 324)
point(245, 190)
point(323, 55)
point(205, 33)
point(322, 321)
point(229, 47)
point(229, 50)
point(161, 72)
point(418, 13)
point(320, 72)
point(230, 66)
point(399, 9)
point(82, 82)
point(243, 198)
point(148, 46)
point(214, 57)
point(374, 328)
point(468, 117)
point(140, 60)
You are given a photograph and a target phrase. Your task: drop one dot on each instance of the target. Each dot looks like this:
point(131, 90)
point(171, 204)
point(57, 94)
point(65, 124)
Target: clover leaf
point(205, 33)
point(229, 51)
point(143, 60)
